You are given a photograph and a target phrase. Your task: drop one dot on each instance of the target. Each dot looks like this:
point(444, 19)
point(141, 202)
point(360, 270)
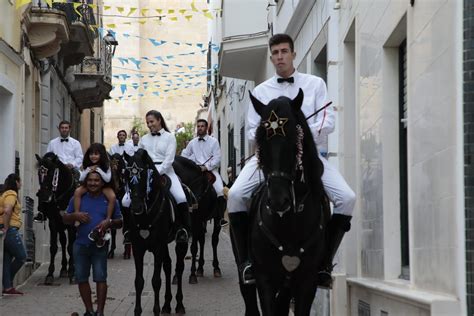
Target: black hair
point(203, 121)
point(122, 131)
point(10, 183)
point(280, 39)
point(104, 162)
point(64, 123)
point(158, 115)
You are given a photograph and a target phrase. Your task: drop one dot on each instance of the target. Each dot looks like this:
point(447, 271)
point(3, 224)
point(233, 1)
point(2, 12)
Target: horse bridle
point(55, 181)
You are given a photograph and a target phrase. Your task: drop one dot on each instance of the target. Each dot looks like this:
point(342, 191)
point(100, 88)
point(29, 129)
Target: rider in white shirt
point(134, 141)
point(286, 82)
point(121, 146)
point(161, 147)
point(204, 150)
point(69, 152)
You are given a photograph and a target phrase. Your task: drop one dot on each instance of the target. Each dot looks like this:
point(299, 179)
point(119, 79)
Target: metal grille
point(28, 207)
point(363, 309)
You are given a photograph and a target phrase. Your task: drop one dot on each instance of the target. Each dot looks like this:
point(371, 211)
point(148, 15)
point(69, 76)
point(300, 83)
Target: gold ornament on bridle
point(274, 125)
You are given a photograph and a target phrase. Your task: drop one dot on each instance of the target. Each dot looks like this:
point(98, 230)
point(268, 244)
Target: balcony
point(244, 38)
point(82, 36)
point(93, 80)
point(47, 28)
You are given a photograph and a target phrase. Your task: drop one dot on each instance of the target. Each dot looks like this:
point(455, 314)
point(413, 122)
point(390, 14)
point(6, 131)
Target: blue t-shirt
point(96, 207)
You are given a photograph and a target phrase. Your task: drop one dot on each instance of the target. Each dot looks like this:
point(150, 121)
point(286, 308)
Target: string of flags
point(162, 95)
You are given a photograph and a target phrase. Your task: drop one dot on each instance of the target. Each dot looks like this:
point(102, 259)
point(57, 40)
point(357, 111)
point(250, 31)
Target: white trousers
point(340, 194)
point(176, 188)
point(218, 184)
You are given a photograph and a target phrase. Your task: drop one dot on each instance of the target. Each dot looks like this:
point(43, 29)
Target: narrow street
point(211, 296)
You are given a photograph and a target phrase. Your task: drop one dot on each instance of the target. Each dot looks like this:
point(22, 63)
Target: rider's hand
point(104, 225)
point(203, 168)
point(70, 166)
point(82, 217)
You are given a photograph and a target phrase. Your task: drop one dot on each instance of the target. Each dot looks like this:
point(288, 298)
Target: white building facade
point(394, 71)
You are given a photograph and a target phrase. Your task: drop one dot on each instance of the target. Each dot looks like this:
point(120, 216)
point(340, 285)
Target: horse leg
point(267, 294)
point(156, 280)
point(138, 254)
point(283, 302)
point(304, 296)
point(200, 269)
point(71, 237)
point(181, 249)
point(167, 268)
point(63, 243)
point(194, 249)
point(53, 249)
point(249, 294)
point(215, 241)
point(113, 233)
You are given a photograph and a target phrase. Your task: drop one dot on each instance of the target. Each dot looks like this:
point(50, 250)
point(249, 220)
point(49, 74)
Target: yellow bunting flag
point(171, 11)
point(208, 15)
point(174, 18)
point(182, 11)
point(142, 22)
point(120, 9)
point(107, 7)
point(112, 26)
point(188, 17)
point(132, 10)
point(76, 5)
point(159, 10)
point(143, 12)
point(20, 3)
point(193, 7)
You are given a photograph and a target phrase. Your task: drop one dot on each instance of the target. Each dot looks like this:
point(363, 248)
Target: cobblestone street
point(211, 296)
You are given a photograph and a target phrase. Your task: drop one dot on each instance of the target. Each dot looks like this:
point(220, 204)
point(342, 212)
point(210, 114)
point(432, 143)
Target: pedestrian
point(286, 82)
point(161, 147)
point(14, 255)
point(69, 152)
point(122, 146)
point(205, 151)
point(88, 249)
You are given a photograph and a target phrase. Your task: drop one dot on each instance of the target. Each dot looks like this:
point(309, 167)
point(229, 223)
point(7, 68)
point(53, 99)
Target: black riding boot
point(39, 218)
point(239, 223)
point(221, 206)
point(337, 227)
point(183, 222)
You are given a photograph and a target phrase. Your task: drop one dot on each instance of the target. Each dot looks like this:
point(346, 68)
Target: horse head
point(142, 178)
point(279, 149)
point(117, 166)
point(49, 169)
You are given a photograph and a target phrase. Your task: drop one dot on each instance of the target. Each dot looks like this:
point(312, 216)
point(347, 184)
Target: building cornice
point(8, 51)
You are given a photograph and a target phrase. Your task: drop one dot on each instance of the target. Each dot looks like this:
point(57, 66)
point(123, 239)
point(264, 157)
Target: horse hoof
point(217, 273)
point(180, 310)
point(110, 255)
point(49, 280)
point(72, 280)
point(63, 274)
point(175, 280)
point(193, 279)
point(200, 272)
point(166, 310)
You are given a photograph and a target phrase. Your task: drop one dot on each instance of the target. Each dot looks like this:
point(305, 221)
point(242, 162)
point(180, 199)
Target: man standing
point(68, 150)
point(122, 146)
point(205, 152)
point(87, 251)
point(286, 82)
point(134, 141)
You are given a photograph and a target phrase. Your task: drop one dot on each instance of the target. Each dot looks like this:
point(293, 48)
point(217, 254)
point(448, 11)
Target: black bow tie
point(64, 140)
point(121, 144)
point(155, 134)
point(202, 138)
point(290, 80)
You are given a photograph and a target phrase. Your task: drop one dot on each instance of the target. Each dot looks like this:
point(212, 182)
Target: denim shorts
point(86, 256)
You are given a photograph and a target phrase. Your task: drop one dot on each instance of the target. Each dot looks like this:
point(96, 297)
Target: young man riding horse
point(286, 82)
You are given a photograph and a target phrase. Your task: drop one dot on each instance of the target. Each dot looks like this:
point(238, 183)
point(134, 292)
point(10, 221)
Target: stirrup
point(247, 271)
point(39, 218)
point(181, 232)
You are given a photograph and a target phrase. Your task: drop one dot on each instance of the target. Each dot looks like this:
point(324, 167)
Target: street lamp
point(110, 43)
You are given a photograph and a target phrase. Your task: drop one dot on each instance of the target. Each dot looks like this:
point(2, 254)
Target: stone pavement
point(211, 296)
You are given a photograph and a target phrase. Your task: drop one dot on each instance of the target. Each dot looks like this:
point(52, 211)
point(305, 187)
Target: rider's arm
point(215, 161)
point(188, 151)
point(169, 156)
point(324, 123)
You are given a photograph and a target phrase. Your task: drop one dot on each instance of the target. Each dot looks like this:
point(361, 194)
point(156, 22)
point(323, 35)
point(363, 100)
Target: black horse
point(151, 229)
point(289, 211)
point(208, 208)
point(117, 165)
point(57, 185)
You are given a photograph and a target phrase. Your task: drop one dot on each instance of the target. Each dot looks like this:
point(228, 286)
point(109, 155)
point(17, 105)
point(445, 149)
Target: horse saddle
point(165, 182)
point(190, 197)
point(210, 177)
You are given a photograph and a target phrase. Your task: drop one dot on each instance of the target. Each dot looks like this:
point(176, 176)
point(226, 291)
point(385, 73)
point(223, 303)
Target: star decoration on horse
point(274, 125)
point(134, 172)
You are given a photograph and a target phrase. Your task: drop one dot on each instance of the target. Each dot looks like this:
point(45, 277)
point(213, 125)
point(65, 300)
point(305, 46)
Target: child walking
point(96, 159)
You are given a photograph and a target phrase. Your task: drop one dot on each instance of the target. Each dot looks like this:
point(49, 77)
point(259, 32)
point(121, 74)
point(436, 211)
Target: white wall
point(7, 126)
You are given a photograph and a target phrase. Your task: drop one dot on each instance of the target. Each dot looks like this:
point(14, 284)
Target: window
point(405, 254)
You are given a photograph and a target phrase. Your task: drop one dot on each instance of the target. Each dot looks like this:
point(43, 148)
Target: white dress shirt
point(135, 147)
point(204, 152)
point(106, 176)
point(117, 149)
point(161, 148)
point(315, 97)
point(69, 152)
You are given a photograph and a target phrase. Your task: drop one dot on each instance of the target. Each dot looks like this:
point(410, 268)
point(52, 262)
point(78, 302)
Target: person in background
point(122, 146)
point(14, 256)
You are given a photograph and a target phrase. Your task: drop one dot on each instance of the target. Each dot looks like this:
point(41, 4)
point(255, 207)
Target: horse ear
point(257, 105)
point(125, 155)
point(298, 100)
point(38, 157)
